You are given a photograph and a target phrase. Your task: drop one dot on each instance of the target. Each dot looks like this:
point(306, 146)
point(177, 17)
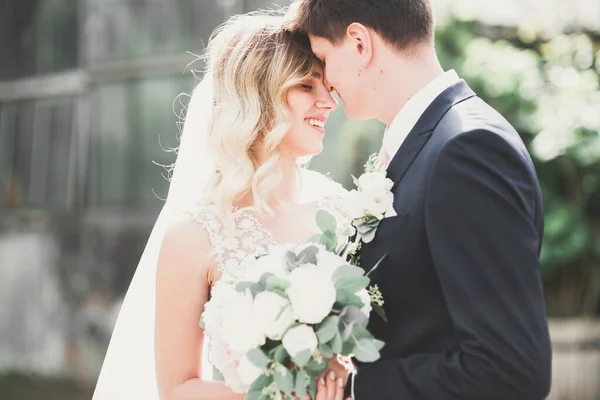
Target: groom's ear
point(361, 38)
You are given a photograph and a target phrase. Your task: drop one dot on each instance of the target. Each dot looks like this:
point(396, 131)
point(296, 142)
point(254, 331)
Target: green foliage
point(549, 90)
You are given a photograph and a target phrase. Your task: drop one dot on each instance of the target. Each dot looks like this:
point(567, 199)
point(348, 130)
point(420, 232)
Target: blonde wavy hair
point(252, 62)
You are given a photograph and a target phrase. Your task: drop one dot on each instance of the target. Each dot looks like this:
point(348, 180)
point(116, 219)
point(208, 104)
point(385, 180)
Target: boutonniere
point(368, 204)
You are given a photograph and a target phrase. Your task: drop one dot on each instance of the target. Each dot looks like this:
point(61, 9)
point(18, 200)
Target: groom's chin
point(352, 114)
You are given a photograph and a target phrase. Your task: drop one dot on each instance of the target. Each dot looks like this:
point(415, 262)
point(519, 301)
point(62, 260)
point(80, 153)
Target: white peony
point(366, 299)
point(330, 262)
point(312, 293)
point(241, 331)
point(247, 371)
point(374, 182)
point(300, 338)
point(377, 203)
point(227, 363)
point(274, 263)
point(273, 314)
point(353, 205)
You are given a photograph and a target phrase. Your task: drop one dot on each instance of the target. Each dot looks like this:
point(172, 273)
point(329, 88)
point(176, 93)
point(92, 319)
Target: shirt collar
point(409, 114)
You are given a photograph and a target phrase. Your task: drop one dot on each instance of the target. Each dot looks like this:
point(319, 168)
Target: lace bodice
point(249, 234)
point(248, 237)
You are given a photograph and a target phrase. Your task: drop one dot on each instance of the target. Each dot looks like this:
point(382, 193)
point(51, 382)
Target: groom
point(461, 277)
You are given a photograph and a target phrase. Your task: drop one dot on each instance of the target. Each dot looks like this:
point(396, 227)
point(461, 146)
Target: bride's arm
point(182, 289)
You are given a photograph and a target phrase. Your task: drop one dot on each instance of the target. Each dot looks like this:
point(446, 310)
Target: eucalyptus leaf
point(353, 314)
point(243, 286)
point(342, 248)
point(253, 395)
point(352, 283)
point(276, 283)
point(308, 255)
point(255, 390)
point(360, 332)
point(380, 311)
point(337, 343)
point(312, 388)
point(279, 354)
point(316, 368)
point(264, 278)
point(290, 260)
point(326, 222)
point(328, 240)
point(347, 271)
point(284, 379)
point(365, 351)
point(325, 349)
point(315, 238)
point(301, 383)
point(328, 329)
point(368, 235)
point(302, 358)
point(345, 298)
point(379, 344)
point(348, 347)
point(258, 358)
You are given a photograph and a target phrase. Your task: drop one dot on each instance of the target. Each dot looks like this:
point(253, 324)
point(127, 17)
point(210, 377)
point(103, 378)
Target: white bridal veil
point(128, 371)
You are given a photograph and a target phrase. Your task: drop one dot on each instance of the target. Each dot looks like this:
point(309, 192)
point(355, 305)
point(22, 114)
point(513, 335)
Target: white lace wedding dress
point(128, 371)
point(250, 235)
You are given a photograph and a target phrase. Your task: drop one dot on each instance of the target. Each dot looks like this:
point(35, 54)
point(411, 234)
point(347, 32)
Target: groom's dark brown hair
point(402, 23)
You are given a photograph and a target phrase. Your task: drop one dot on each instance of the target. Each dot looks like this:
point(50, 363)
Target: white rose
point(374, 181)
point(268, 308)
point(273, 263)
point(241, 331)
point(378, 202)
point(366, 299)
point(299, 339)
point(247, 371)
point(353, 205)
point(329, 261)
point(311, 293)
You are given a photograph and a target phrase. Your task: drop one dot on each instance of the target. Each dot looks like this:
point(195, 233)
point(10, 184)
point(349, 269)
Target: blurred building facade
point(88, 106)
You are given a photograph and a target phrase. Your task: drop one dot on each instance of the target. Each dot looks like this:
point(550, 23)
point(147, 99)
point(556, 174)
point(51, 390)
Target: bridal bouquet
point(274, 330)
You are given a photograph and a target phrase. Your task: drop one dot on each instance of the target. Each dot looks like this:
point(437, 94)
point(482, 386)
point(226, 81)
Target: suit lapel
point(424, 128)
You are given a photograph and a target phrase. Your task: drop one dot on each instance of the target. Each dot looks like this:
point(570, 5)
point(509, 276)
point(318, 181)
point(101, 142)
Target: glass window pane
point(37, 37)
point(127, 29)
point(110, 146)
point(17, 38)
point(8, 123)
point(40, 154)
point(60, 152)
point(56, 35)
point(23, 153)
point(16, 133)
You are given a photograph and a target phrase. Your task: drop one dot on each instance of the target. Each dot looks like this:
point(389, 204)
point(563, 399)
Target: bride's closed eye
point(307, 87)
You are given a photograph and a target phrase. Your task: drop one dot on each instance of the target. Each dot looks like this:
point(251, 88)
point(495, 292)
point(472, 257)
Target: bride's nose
point(326, 100)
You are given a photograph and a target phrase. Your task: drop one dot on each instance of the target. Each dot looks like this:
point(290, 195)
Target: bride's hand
point(330, 387)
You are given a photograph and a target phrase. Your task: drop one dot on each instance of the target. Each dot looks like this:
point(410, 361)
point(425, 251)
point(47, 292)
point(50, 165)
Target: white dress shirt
point(407, 117)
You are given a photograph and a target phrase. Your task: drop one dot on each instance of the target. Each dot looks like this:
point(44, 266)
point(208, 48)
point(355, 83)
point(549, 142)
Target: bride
point(238, 183)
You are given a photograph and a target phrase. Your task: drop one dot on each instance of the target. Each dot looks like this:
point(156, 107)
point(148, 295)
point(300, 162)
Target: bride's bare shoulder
point(188, 243)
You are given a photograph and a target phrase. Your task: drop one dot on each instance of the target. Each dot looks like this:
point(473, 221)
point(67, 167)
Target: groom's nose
point(328, 84)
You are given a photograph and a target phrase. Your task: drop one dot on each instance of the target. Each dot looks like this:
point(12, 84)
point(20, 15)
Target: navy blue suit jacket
point(461, 275)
